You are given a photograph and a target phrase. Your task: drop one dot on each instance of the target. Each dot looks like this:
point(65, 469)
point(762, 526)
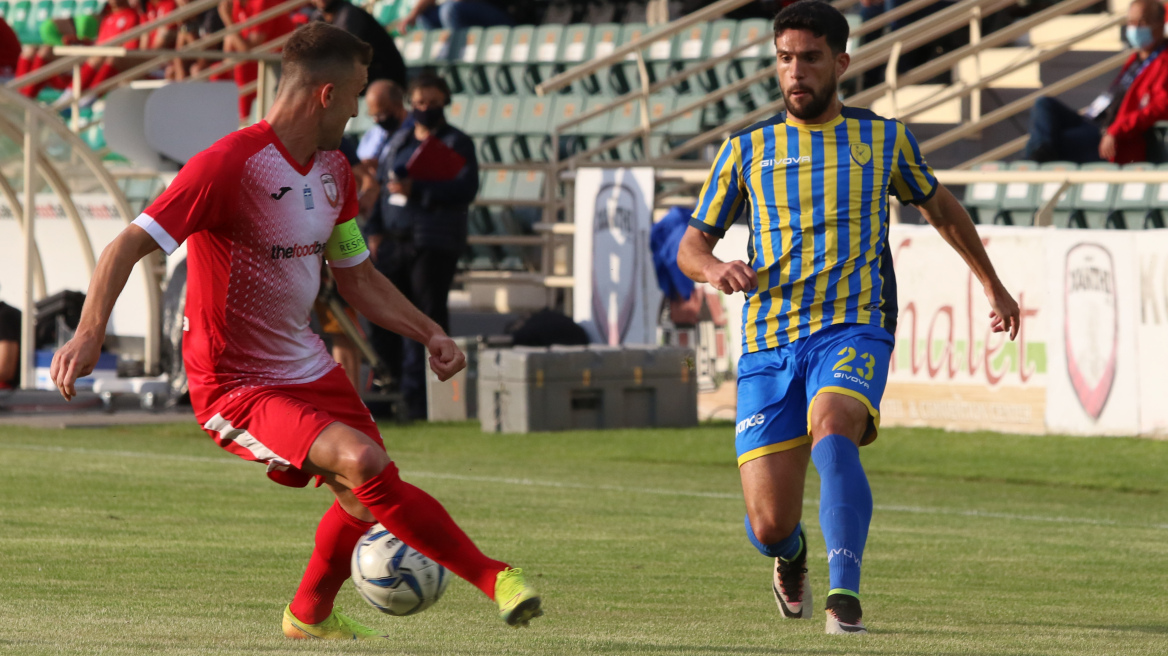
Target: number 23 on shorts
point(865, 369)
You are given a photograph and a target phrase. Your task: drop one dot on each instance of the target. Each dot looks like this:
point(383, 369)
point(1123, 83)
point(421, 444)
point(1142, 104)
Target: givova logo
point(750, 422)
point(766, 163)
point(296, 250)
point(845, 553)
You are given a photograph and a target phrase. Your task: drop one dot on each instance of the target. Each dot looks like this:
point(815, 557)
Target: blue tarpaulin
point(664, 240)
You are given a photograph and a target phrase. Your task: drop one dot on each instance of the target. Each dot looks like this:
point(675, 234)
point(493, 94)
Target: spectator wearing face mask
point(1114, 127)
point(417, 230)
point(385, 104)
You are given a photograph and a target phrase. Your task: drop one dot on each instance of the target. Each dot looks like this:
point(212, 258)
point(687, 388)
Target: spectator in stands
point(1115, 126)
point(9, 346)
point(387, 61)
point(162, 38)
point(237, 11)
point(10, 51)
point(78, 30)
point(385, 104)
point(457, 14)
point(418, 228)
point(120, 17)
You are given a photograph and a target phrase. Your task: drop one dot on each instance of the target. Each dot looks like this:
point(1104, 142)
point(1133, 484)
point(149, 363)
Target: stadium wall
point(1091, 349)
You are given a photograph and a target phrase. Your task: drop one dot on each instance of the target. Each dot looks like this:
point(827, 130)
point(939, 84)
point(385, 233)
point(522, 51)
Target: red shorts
point(277, 425)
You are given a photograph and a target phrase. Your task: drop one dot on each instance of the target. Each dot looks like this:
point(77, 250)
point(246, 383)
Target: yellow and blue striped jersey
point(818, 202)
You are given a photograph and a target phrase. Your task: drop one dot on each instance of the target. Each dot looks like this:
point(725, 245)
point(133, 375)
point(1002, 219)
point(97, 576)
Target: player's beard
point(814, 106)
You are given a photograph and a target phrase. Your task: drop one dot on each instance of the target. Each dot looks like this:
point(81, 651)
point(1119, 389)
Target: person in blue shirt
point(417, 230)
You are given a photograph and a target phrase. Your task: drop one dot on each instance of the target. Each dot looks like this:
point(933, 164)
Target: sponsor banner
point(1093, 387)
point(616, 298)
point(948, 369)
point(1152, 330)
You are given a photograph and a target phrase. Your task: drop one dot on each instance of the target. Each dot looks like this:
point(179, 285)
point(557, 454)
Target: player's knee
point(362, 462)
point(769, 530)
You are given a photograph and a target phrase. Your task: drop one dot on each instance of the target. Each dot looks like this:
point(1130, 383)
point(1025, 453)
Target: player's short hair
point(317, 50)
point(430, 80)
point(819, 18)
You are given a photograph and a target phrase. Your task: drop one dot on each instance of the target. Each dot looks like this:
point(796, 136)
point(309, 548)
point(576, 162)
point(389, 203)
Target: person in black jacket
point(387, 61)
point(417, 230)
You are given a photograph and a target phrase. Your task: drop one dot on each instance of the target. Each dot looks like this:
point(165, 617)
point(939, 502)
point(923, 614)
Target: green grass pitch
point(150, 540)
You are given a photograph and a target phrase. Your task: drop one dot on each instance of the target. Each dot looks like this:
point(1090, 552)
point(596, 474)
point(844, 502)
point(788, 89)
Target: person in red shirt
point(237, 11)
point(120, 16)
point(78, 30)
point(162, 38)
point(260, 211)
point(1116, 125)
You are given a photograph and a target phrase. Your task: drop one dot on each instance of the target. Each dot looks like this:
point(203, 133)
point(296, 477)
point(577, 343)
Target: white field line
point(527, 482)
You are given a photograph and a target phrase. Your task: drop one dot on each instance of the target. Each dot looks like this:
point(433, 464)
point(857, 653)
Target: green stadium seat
point(390, 12)
point(575, 49)
point(89, 8)
point(465, 52)
point(535, 125)
point(595, 130)
point(520, 54)
point(605, 38)
point(691, 46)
point(721, 41)
point(458, 111)
point(545, 54)
point(413, 49)
point(22, 23)
point(499, 185)
point(567, 108)
point(1065, 205)
point(983, 200)
point(442, 50)
point(4, 10)
point(684, 127)
point(1019, 199)
point(1093, 201)
point(529, 185)
point(503, 129)
point(1159, 202)
point(754, 58)
point(1131, 200)
point(623, 120)
point(492, 60)
point(624, 77)
point(478, 123)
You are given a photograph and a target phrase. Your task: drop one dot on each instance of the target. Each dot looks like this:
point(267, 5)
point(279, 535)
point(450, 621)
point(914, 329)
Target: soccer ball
point(394, 578)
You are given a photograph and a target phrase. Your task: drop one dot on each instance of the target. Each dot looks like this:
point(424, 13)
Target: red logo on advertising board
point(1091, 324)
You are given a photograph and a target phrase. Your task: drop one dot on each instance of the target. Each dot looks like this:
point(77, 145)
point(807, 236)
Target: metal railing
point(37, 164)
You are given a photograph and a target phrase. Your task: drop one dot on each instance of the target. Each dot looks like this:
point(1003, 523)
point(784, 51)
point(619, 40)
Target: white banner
point(949, 370)
point(1094, 384)
point(1152, 333)
point(616, 297)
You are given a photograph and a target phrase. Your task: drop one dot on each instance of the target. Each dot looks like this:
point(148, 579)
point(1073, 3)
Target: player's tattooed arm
point(945, 213)
point(696, 258)
point(79, 355)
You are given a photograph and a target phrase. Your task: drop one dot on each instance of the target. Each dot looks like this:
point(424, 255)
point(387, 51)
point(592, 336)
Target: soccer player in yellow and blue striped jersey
point(813, 185)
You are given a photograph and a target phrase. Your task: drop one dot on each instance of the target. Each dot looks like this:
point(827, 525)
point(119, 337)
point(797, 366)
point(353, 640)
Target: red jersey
point(256, 224)
point(269, 29)
point(116, 23)
point(153, 11)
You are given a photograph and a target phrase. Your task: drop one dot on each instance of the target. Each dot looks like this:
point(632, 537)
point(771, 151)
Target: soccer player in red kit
point(259, 210)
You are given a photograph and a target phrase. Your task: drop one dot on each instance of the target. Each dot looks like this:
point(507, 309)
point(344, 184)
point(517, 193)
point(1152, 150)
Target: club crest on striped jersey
point(331, 193)
point(862, 153)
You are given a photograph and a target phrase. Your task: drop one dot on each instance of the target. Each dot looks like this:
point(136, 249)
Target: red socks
point(421, 522)
point(336, 537)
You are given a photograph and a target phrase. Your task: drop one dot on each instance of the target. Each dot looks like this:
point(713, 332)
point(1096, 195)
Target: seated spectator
point(385, 104)
point(10, 51)
point(1114, 127)
point(457, 15)
point(79, 30)
point(9, 346)
point(237, 11)
point(387, 61)
point(119, 17)
point(418, 229)
point(162, 38)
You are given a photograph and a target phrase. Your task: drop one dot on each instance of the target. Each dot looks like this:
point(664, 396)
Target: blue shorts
point(777, 387)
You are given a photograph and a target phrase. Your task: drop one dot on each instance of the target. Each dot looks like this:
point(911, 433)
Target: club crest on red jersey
point(330, 188)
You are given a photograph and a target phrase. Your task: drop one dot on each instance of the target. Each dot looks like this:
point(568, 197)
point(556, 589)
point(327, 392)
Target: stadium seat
point(519, 58)
point(529, 185)
point(595, 130)
point(983, 200)
point(623, 120)
point(89, 8)
point(721, 41)
point(22, 23)
point(1092, 201)
point(624, 77)
point(4, 10)
point(458, 110)
point(465, 51)
point(1131, 201)
point(492, 58)
point(478, 123)
point(545, 55)
point(754, 58)
point(535, 124)
point(1065, 205)
point(441, 54)
point(413, 49)
point(503, 128)
point(1019, 199)
point(575, 49)
point(605, 38)
point(567, 108)
point(1155, 216)
point(690, 46)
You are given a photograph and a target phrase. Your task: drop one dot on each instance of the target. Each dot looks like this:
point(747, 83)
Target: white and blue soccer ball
point(393, 577)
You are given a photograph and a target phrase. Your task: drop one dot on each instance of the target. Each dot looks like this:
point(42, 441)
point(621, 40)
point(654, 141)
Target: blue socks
point(845, 510)
point(787, 548)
